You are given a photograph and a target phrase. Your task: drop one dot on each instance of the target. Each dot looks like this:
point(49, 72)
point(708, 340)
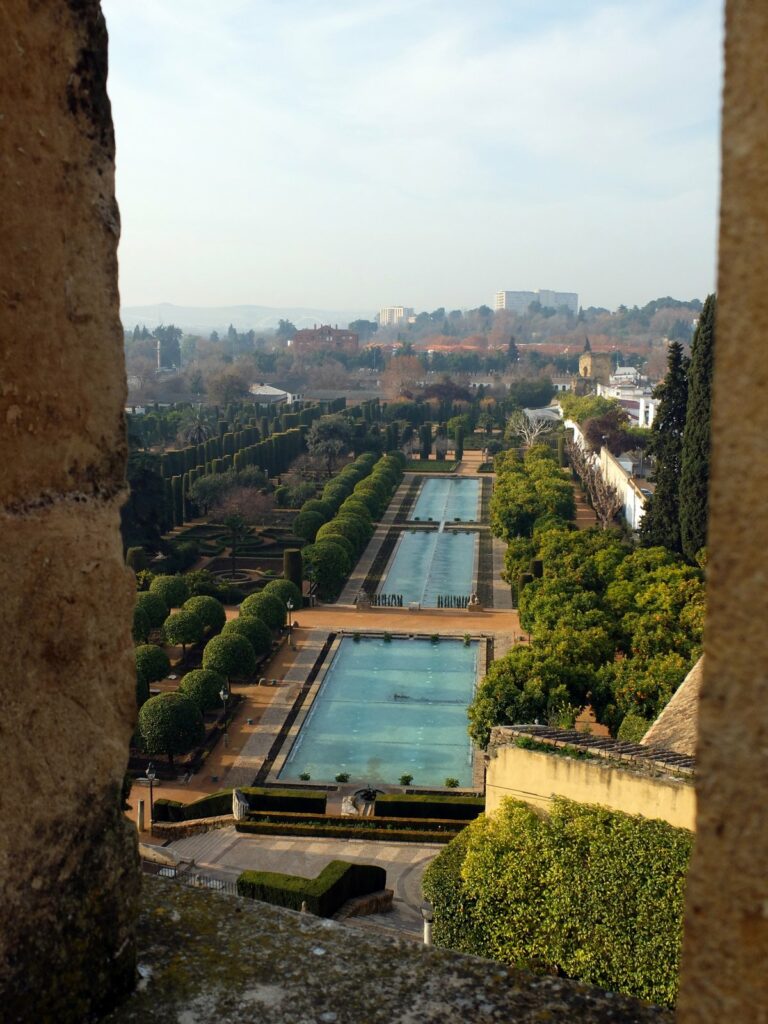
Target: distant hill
point(217, 318)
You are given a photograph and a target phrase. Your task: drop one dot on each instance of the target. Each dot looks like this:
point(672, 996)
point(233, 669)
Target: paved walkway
point(224, 853)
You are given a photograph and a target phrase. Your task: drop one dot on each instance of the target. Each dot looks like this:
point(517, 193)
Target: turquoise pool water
point(448, 499)
point(387, 709)
point(428, 563)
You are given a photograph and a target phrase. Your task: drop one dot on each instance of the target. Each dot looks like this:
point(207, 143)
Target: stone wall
point(68, 880)
point(724, 976)
point(537, 777)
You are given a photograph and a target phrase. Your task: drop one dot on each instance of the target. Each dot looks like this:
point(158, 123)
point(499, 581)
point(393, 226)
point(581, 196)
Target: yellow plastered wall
point(537, 777)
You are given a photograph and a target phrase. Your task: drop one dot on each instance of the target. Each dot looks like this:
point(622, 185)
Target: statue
point(239, 805)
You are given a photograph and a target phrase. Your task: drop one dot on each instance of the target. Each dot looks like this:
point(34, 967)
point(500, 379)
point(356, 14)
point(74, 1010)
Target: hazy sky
point(360, 153)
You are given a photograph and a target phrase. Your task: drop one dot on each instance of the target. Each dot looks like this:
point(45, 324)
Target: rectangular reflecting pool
point(427, 564)
point(389, 709)
point(447, 499)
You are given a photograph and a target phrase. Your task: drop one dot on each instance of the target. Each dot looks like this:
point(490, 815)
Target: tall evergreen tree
point(694, 476)
point(661, 522)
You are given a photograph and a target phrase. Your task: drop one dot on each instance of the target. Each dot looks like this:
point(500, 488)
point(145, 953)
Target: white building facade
point(389, 315)
point(518, 302)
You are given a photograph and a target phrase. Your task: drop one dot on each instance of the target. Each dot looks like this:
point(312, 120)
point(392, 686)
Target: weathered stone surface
point(206, 957)
point(67, 859)
point(62, 380)
point(725, 951)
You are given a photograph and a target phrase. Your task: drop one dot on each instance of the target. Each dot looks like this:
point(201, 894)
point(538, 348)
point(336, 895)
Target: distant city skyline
point(422, 152)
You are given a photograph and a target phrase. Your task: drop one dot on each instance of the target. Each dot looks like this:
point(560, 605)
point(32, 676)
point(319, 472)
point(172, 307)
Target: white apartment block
point(518, 302)
point(394, 314)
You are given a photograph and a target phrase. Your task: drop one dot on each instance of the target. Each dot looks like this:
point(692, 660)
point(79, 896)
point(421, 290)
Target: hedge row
point(381, 825)
point(416, 805)
point(341, 522)
point(338, 882)
point(259, 798)
point(585, 892)
point(351, 831)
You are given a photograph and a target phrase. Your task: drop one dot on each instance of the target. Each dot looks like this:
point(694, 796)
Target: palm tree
point(238, 530)
point(196, 428)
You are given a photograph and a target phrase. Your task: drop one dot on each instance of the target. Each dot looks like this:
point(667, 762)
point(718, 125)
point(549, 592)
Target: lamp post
point(223, 694)
point(151, 776)
point(428, 915)
point(289, 606)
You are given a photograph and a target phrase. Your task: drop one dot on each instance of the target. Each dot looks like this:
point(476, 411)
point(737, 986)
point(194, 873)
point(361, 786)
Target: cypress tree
point(694, 476)
point(661, 523)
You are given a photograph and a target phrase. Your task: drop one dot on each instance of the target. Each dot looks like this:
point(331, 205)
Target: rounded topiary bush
point(257, 633)
point(172, 589)
point(141, 625)
point(154, 606)
point(203, 686)
point(329, 565)
point(284, 591)
point(356, 506)
point(306, 525)
point(325, 508)
point(170, 724)
point(230, 655)
point(343, 542)
point(266, 607)
point(183, 627)
point(152, 662)
point(211, 612)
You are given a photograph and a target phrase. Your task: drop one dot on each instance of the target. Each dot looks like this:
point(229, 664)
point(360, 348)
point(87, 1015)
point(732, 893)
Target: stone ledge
point(206, 957)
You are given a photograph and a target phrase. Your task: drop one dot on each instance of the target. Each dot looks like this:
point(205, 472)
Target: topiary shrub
point(293, 567)
point(230, 655)
point(338, 882)
point(183, 627)
point(172, 589)
point(421, 805)
point(343, 542)
point(266, 607)
point(141, 625)
point(152, 662)
point(284, 591)
point(329, 565)
point(203, 686)
point(154, 606)
point(169, 724)
point(211, 612)
point(325, 508)
point(306, 525)
point(256, 632)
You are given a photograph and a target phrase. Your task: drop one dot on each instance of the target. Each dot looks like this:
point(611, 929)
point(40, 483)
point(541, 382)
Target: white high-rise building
point(394, 314)
point(518, 302)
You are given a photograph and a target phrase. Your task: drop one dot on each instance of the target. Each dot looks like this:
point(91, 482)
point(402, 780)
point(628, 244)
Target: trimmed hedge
point(417, 805)
point(350, 831)
point(211, 612)
point(338, 882)
point(264, 606)
point(256, 632)
point(589, 893)
point(259, 798)
point(153, 606)
point(382, 826)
